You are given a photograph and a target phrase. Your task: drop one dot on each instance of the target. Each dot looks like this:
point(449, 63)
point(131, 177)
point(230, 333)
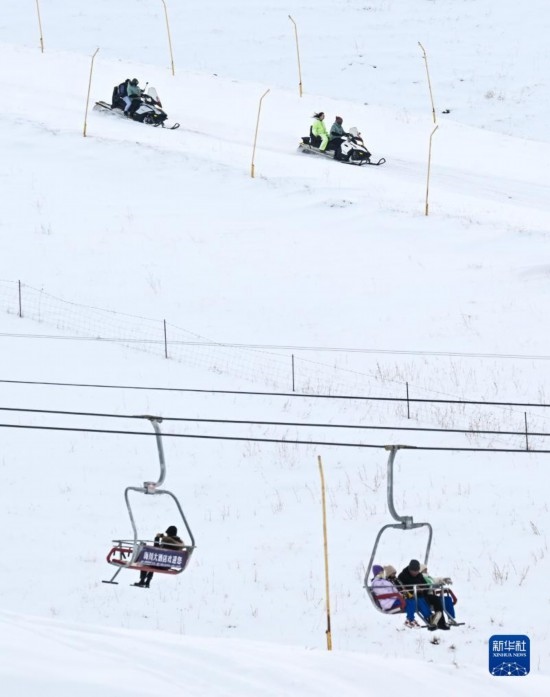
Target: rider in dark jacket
point(133, 97)
point(167, 540)
point(336, 137)
point(411, 576)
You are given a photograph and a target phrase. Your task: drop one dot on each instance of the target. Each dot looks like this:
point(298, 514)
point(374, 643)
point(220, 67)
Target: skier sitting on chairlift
point(387, 594)
point(167, 540)
point(412, 605)
point(449, 598)
point(411, 576)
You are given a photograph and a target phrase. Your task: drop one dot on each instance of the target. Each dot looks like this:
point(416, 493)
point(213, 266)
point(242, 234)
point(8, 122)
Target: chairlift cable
point(302, 395)
point(277, 440)
point(297, 424)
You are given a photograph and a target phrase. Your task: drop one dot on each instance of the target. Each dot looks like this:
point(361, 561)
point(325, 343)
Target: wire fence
point(276, 370)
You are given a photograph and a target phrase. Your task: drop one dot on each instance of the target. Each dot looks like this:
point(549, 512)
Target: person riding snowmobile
point(336, 137)
point(318, 131)
point(133, 97)
point(337, 130)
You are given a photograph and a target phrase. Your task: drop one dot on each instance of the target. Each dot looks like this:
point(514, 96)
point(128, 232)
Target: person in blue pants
point(412, 605)
point(448, 598)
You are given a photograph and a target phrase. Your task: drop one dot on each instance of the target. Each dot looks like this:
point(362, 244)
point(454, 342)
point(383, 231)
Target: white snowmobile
point(354, 151)
point(149, 111)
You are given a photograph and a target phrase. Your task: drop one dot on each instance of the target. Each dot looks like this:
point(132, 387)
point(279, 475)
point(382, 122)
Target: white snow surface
point(113, 234)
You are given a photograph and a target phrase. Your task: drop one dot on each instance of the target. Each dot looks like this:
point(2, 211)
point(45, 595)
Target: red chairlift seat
point(383, 596)
point(146, 556)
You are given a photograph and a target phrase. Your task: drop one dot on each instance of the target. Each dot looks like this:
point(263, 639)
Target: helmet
point(339, 119)
point(135, 81)
point(172, 530)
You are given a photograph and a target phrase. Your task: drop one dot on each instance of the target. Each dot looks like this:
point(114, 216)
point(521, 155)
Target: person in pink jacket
point(381, 587)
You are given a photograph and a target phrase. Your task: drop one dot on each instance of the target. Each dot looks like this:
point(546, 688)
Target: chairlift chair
point(404, 523)
point(140, 554)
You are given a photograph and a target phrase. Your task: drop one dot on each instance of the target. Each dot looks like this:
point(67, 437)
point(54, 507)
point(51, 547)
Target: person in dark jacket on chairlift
point(166, 540)
point(411, 576)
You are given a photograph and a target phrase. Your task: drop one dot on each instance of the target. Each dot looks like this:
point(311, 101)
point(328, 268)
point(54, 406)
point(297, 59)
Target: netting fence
point(281, 370)
point(272, 369)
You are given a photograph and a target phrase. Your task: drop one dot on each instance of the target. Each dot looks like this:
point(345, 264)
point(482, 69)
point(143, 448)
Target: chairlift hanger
point(140, 554)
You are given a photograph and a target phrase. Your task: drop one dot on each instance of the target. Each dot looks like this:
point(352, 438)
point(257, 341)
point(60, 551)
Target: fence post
point(325, 551)
point(298, 55)
point(526, 434)
point(165, 340)
point(40, 27)
point(429, 81)
point(293, 387)
point(408, 410)
point(169, 37)
point(20, 308)
point(84, 130)
point(252, 166)
point(426, 207)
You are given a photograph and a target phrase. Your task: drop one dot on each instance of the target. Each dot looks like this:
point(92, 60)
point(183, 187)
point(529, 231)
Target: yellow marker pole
point(298, 55)
point(169, 37)
point(325, 548)
point(88, 96)
point(429, 167)
point(429, 81)
point(40, 26)
point(256, 134)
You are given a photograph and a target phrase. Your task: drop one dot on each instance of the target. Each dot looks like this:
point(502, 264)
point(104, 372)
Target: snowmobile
point(149, 111)
point(354, 151)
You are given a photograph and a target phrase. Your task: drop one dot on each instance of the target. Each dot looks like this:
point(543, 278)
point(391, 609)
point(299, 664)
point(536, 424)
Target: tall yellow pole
point(40, 26)
point(325, 548)
point(88, 96)
point(298, 55)
point(256, 134)
point(429, 81)
point(169, 37)
point(429, 168)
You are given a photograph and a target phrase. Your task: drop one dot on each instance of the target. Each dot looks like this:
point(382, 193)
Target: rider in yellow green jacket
point(319, 129)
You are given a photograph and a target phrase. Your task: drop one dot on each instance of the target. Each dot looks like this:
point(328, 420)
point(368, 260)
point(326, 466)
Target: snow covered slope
point(154, 225)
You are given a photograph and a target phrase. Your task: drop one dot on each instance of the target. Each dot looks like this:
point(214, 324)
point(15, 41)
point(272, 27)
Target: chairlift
point(140, 554)
point(404, 522)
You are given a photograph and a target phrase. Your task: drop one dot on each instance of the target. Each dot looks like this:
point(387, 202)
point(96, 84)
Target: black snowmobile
point(148, 111)
point(353, 150)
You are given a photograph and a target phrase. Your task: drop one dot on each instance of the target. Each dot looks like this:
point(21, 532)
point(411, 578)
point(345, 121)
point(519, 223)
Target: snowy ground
point(155, 225)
